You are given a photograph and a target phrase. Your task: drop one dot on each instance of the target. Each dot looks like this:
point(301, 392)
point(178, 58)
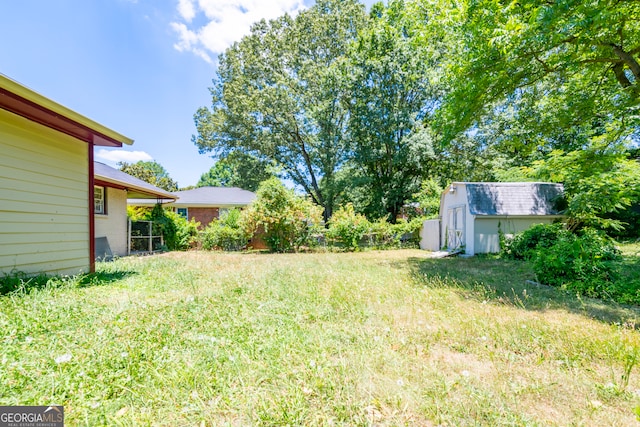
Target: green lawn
point(374, 338)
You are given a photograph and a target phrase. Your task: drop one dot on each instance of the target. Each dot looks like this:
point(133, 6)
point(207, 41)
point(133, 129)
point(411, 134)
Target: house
point(473, 214)
point(47, 183)
point(112, 188)
point(204, 204)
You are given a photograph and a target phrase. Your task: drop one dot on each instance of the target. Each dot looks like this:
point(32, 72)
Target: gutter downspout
point(92, 216)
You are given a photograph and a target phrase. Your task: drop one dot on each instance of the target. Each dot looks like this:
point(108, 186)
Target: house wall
point(44, 210)
point(114, 224)
point(203, 215)
point(486, 236)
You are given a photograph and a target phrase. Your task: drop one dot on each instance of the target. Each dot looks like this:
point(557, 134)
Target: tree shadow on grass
point(513, 283)
point(22, 283)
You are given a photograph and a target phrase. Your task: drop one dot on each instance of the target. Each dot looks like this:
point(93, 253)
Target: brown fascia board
point(39, 114)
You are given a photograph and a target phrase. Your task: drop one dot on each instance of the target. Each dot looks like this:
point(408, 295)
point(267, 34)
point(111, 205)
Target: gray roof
point(136, 188)
point(214, 196)
point(513, 198)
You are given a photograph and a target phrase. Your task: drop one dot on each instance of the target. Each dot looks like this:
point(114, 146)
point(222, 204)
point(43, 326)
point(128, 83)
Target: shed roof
point(214, 196)
point(136, 188)
point(513, 198)
point(27, 103)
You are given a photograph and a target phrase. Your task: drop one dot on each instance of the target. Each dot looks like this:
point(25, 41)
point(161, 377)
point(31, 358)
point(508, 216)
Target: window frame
point(186, 213)
point(102, 190)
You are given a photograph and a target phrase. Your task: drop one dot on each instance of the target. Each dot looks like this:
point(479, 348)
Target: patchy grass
point(373, 338)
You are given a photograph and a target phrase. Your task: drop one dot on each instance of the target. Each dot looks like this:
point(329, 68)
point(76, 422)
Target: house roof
point(513, 198)
point(214, 197)
point(27, 103)
point(136, 188)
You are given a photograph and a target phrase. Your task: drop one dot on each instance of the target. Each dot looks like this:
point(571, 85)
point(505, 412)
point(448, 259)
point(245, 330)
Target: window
point(183, 212)
point(99, 200)
point(223, 212)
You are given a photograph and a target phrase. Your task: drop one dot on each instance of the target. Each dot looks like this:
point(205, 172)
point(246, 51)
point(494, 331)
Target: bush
point(289, 221)
point(187, 232)
point(226, 233)
point(580, 263)
point(347, 228)
point(524, 245)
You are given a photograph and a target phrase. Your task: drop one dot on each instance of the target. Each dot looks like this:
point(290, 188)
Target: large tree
point(575, 59)
point(152, 172)
point(279, 95)
point(391, 98)
point(237, 170)
point(549, 83)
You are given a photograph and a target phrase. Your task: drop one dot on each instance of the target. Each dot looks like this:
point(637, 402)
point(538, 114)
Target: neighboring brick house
point(204, 204)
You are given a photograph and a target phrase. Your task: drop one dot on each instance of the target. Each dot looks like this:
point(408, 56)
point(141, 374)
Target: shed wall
point(114, 224)
point(486, 236)
point(44, 211)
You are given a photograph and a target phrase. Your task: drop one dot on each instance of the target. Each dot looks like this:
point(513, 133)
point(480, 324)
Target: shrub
point(347, 227)
point(579, 262)
point(187, 233)
point(524, 245)
point(289, 221)
point(226, 233)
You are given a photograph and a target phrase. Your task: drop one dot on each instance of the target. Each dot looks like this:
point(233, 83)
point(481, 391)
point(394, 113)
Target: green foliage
point(187, 232)
point(583, 262)
point(428, 198)
point(352, 231)
point(390, 93)
point(347, 227)
point(279, 93)
point(163, 219)
point(226, 233)
point(237, 169)
point(152, 172)
point(288, 221)
point(599, 180)
point(579, 263)
point(539, 236)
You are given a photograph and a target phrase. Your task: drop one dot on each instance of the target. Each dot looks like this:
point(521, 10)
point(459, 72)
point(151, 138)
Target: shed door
point(455, 228)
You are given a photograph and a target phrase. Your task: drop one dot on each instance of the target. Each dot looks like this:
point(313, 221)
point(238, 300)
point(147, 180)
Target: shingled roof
point(214, 196)
point(136, 188)
point(513, 198)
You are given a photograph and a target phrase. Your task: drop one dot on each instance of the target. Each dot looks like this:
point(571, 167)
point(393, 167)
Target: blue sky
point(139, 67)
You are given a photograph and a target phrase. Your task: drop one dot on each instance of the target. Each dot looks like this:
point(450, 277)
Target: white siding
point(113, 225)
point(454, 208)
point(487, 239)
point(44, 211)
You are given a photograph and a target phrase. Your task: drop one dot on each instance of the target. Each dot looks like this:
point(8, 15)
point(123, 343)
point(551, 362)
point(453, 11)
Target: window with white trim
point(183, 212)
point(99, 200)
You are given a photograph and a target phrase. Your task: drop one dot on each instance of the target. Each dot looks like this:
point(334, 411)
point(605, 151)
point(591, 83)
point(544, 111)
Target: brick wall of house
point(203, 215)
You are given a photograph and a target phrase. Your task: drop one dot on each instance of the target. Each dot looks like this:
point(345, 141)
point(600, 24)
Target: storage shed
point(47, 183)
point(473, 214)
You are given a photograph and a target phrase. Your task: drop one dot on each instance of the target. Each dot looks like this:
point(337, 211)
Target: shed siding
point(113, 225)
point(487, 239)
point(44, 221)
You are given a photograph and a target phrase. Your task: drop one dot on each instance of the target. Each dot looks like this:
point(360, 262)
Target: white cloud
point(186, 9)
point(225, 22)
point(115, 156)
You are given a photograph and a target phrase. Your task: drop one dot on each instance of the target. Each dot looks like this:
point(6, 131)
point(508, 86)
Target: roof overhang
point(31, 105)
point(136, 192)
